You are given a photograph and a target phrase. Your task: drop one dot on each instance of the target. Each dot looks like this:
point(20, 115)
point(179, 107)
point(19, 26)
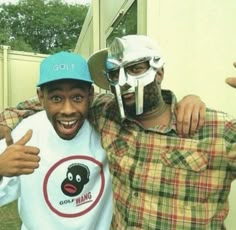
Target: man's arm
point(11, 117)
point(190, 112)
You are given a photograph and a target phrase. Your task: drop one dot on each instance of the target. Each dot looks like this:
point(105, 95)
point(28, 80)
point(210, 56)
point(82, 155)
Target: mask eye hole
point(138, 68)
point(113, 75)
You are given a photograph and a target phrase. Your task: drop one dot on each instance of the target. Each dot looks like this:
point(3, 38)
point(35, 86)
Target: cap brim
point(97, 68)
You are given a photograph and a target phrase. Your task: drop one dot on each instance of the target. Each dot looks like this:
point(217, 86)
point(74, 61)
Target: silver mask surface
point(124, 53)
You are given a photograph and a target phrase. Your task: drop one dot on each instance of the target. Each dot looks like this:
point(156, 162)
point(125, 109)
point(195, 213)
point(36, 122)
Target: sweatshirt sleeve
point(9, 189)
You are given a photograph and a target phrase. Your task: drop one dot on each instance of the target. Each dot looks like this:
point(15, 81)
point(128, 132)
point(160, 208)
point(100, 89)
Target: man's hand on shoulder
point(190, 115)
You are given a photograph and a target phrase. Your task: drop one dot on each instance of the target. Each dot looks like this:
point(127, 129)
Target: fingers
point(8, 137)
point(29, 150)
point(3, 131)
point(6, 132)
point(190, 118)
point(231, 81)
point(197, 120)
point(180, 121)
point(27, 163)
point(25, 138)
point(20, 168)
point(202, 115)
point(20, 145)
point(193, 119)
point(19, 159)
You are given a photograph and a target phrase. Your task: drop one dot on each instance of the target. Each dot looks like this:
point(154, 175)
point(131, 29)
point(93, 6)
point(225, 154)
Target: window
point(126, 25)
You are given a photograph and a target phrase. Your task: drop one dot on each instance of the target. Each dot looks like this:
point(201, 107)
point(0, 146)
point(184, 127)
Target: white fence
point(18, 75)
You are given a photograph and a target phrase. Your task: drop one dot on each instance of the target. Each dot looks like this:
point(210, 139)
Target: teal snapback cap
point(64, 65)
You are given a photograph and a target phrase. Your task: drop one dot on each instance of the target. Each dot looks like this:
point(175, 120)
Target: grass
point(9, 218)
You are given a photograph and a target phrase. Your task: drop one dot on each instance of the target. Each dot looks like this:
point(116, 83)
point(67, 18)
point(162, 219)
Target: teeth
point(68, 122)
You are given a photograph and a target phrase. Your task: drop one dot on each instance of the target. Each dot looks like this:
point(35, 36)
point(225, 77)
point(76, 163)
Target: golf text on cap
point(63, 67)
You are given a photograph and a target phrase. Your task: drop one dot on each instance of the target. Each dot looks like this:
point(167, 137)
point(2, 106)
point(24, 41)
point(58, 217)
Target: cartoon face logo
point(76, 177)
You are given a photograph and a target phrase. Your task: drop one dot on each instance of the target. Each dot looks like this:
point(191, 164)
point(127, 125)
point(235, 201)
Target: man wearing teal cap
point(66, 183)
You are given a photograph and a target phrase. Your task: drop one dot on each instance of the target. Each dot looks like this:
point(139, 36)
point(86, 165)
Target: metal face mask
point(124, 54)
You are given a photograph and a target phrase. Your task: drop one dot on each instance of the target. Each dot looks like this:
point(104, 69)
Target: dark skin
point(18, 158)
point(66, 104)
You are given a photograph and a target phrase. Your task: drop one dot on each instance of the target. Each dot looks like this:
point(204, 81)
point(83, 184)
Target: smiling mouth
point(67, 129)
point(68, 124)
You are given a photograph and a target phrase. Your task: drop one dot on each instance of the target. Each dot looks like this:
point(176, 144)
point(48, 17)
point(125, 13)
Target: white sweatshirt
point(71, 189)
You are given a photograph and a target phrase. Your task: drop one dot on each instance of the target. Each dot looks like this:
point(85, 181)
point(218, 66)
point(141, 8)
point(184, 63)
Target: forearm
point(11, 116)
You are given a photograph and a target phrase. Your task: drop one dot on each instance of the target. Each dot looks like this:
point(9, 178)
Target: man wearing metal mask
point(160, 180)
point(132, 71)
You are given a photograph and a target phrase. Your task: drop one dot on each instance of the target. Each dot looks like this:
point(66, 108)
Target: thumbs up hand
point(18, 159)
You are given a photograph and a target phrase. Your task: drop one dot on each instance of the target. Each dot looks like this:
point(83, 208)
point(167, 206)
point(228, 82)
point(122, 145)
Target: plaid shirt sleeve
point(98, 112)
point(11, 116)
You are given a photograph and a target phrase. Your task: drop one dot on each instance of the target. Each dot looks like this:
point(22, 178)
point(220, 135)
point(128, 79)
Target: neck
point(157, 116)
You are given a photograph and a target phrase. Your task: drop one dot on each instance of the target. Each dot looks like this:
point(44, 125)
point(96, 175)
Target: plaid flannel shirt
point(11, 116)
point(162, 181)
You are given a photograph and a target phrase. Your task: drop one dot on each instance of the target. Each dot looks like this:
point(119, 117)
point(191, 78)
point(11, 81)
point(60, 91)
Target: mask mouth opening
point(133, 84)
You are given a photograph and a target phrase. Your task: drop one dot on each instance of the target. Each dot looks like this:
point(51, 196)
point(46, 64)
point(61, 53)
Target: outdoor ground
point(9, 219)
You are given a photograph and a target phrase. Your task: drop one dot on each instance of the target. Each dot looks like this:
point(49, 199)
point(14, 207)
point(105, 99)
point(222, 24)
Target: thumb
point(25, 138)
point(231, 81)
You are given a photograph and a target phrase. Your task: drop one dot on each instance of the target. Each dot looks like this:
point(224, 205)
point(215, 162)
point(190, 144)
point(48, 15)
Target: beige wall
point(198, 43)
point(18, 76)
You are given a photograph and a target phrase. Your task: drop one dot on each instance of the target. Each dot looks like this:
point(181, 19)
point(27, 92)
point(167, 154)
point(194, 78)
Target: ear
point(91, 94)
point(40, 96)
point(160, 75)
